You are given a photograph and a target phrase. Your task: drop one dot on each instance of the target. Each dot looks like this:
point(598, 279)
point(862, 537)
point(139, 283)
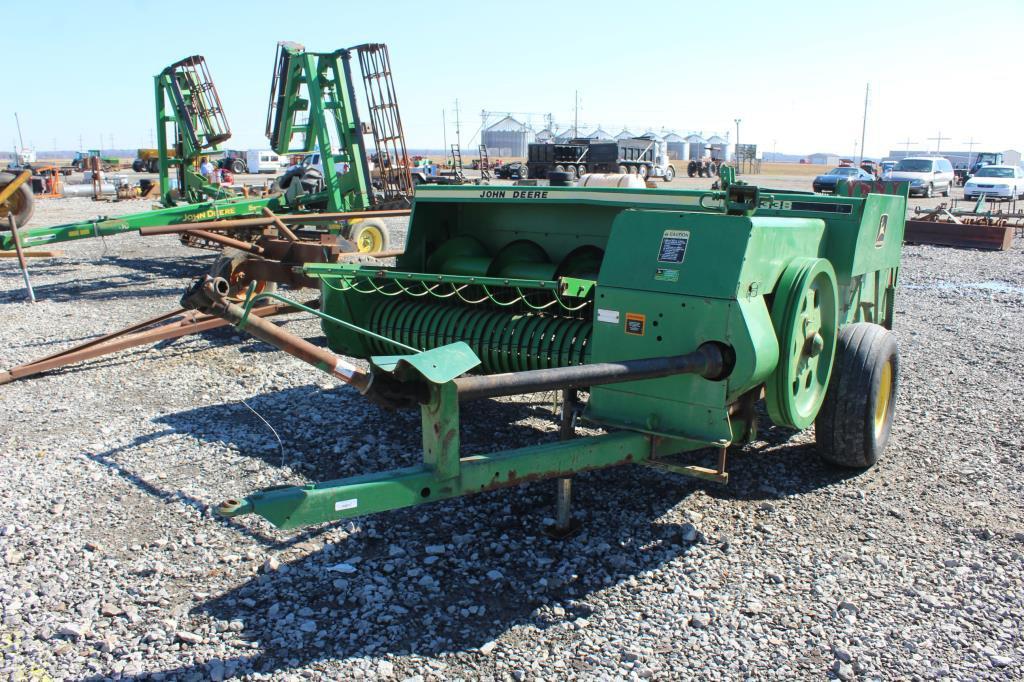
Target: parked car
point(926, 175)
point(996, 182)
point(826, 184)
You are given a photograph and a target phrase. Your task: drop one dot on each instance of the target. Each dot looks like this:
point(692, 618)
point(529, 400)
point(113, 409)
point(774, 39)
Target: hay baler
point(676, 310)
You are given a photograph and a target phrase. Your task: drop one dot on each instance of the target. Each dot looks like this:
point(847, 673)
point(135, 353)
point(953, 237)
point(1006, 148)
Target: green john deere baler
point(676, 310)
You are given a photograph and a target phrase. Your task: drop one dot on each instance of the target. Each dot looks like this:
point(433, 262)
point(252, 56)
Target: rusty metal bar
point(228, 241)
point(32, 254)
point(210, 296)
point(706, 361)
point(265, 221)
point(279, 224)
point(192, 324)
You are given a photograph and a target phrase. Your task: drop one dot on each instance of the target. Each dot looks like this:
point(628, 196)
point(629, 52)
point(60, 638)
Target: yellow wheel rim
point(884, 397)
point(370, 240)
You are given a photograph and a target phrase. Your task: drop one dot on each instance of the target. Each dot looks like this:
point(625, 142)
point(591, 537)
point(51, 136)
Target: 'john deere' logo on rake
point(883, 224)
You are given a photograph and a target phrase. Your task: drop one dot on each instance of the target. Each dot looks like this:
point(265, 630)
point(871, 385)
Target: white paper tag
point(610, 316)
point(343, 368)
point(342, 505)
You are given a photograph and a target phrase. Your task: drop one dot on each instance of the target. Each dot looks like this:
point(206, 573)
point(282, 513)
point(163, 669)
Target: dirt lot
point(113, 566)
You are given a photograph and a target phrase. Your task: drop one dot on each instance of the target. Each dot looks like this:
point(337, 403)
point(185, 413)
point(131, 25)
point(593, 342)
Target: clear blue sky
point(794, 72)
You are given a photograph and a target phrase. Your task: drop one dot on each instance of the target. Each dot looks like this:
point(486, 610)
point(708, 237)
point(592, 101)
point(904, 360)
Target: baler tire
point(691, 169)
point(855, 421)
point(22, 202)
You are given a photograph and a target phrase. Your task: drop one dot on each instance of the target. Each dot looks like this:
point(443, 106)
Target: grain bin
point(507, 137)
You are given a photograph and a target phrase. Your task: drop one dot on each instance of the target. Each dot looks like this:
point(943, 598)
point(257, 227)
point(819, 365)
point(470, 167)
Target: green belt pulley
point(805, 316)
point(504, 341)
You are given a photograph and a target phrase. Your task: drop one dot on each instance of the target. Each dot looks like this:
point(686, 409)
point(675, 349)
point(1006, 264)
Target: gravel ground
point(111, 564)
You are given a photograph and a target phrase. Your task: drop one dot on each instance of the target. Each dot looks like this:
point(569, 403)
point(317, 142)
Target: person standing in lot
point(206, 170)
point(96, 168)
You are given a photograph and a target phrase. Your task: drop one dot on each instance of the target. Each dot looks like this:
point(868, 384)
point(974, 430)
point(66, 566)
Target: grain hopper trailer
point(677, 311)
point(642, 155)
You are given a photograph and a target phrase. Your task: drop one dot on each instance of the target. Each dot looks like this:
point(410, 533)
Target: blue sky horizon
point(793, 72)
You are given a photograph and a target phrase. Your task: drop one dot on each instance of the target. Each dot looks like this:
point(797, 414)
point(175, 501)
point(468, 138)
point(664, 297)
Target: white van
point(926, 174)
point(262, 161)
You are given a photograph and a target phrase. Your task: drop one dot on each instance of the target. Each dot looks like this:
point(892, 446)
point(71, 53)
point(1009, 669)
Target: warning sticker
point(635, 324)
point(342, 505)
point(673, 246)
point(666, 275)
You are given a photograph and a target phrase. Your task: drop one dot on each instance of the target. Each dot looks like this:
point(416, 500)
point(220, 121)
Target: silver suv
point(927, 175)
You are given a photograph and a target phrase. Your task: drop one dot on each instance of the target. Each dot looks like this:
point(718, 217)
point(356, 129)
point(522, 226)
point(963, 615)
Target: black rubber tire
point(845, 426)
point(24, 199)
point(623, 170)
point(643, 171)
point(929, 191)
point(670, 174)
point(948, 190)
point(237, 166)
point(138, 165)
point(691, 169)
point(571, 172)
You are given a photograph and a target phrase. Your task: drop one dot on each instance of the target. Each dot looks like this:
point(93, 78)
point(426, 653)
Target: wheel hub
point(804, 314)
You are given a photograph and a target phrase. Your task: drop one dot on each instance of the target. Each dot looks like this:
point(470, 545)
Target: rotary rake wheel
point(804, 314)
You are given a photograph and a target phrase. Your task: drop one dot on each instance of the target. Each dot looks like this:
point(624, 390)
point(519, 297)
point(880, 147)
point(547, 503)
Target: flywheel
point(805, 316)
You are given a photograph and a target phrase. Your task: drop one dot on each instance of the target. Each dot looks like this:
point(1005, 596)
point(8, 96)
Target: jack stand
point(564, 526)
point(21, 256)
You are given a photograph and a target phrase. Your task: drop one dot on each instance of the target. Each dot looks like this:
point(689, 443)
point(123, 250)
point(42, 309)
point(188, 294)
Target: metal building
point(678, 149)
point(625, 135)
point(599, 133)
point(696, 144)
point(546, 136)
point(823, 159)
point(507, 137)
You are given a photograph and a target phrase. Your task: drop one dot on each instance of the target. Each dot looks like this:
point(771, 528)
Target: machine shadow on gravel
point(314, 610)
point(119, 286)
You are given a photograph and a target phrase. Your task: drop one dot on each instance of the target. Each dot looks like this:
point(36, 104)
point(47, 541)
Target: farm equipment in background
point(977, 227)
point(677, 310)
point(148, 160)
point(317, 216)
point(80, 162)
point(313, 100)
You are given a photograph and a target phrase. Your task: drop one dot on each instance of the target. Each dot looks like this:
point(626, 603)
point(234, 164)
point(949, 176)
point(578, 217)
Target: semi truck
point(642, 156)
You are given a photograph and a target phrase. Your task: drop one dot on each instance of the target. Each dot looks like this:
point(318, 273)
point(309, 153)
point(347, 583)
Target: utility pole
point(907, 142)
point(444, 133)
point(735, 155)
point(970, 150)
point(864, 123)
point(576, 116)
point(938, 141)
point(458, 132)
